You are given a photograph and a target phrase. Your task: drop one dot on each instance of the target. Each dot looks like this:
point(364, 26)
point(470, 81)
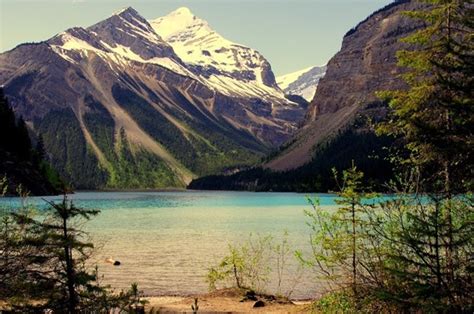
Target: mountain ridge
point(115, 100)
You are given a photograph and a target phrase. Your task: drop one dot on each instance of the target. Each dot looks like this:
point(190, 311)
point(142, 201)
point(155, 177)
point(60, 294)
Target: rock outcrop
point(365, 64)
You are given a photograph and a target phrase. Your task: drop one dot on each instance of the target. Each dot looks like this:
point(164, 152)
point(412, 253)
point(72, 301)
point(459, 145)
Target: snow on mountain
point(303, 82)
point(285, 80)
point(229, 67)
point(118, 100)
point(187, 46)
point(122, 38)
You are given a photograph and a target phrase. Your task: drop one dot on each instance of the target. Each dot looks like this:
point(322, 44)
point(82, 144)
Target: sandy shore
point(223, 301)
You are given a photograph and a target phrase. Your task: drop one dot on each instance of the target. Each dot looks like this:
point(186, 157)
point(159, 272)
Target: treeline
point(25, 167)
point(369, 151)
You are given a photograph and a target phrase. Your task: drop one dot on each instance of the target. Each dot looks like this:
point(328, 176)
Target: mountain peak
point(127, 29)
point(131, 15)
point(182, 11)
point(198, 45)
point(125, 11)
point(181, 19)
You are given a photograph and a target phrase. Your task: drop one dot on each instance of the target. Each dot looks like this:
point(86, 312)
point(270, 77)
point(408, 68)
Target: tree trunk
point(72, 299)
point(447, 177)
point(449, 222)
point(437, 246)
point(237, 281)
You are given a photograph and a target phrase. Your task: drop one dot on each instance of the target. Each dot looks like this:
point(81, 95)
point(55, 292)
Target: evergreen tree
point(67, 245)
point(351, 209)
point(43, 264)
point(40, 150)
point(22, 164)
point(7, 124)
point(25, 272)
point(14, 135)
point(435, 117)
point(22, 140)
point(45, 259)
point(417, 272)
point(341, 243)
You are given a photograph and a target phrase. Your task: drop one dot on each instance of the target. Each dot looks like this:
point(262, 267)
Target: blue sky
point(291, 34)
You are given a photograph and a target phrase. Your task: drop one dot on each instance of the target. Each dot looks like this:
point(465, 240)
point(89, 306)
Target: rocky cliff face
point(118, 108)
point(365, 64)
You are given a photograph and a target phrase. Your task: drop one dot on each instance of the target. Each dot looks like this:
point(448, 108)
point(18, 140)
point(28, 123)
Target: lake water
point(166, 241)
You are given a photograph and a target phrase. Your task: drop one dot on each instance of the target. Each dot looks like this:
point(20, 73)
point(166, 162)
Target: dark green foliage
point(14, 134)
point(44, 265)
point(22, 141)
point(40, 150)
point(151, 121)
point(20, 255)
point(228, 138)
point(43, 259)
point(126, 168)
point(435, 114)
point(342, 249)
point(70, 154)
point(139, 169)
point(100, 124)
point(364, 147)
point(203, 150)
point(67, 244)
point(52, 176)
point(20, 163)
point(430, 240)
point(422, 240)
point(418, 272)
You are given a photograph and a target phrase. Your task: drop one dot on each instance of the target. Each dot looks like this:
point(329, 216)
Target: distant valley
point(131, 103)
point(337, 128)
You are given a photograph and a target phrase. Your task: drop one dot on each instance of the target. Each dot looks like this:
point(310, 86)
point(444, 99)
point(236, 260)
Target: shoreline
point(229, 300)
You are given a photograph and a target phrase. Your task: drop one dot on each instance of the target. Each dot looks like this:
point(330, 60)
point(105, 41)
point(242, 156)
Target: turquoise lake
point(166, 241)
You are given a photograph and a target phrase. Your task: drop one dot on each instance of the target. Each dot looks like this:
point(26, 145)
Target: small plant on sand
point(245, 265)
point(257, 264)
point(135, 302)
point(335, 302)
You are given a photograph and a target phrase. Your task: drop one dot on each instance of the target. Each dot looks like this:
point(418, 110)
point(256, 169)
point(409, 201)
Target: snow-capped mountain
point(229, 67)
point(122, 38)
point(302, 83)
point(117, 107)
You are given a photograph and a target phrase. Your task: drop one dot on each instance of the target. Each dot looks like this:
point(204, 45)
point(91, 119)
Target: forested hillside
point(355, 144)
point(22, 167)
